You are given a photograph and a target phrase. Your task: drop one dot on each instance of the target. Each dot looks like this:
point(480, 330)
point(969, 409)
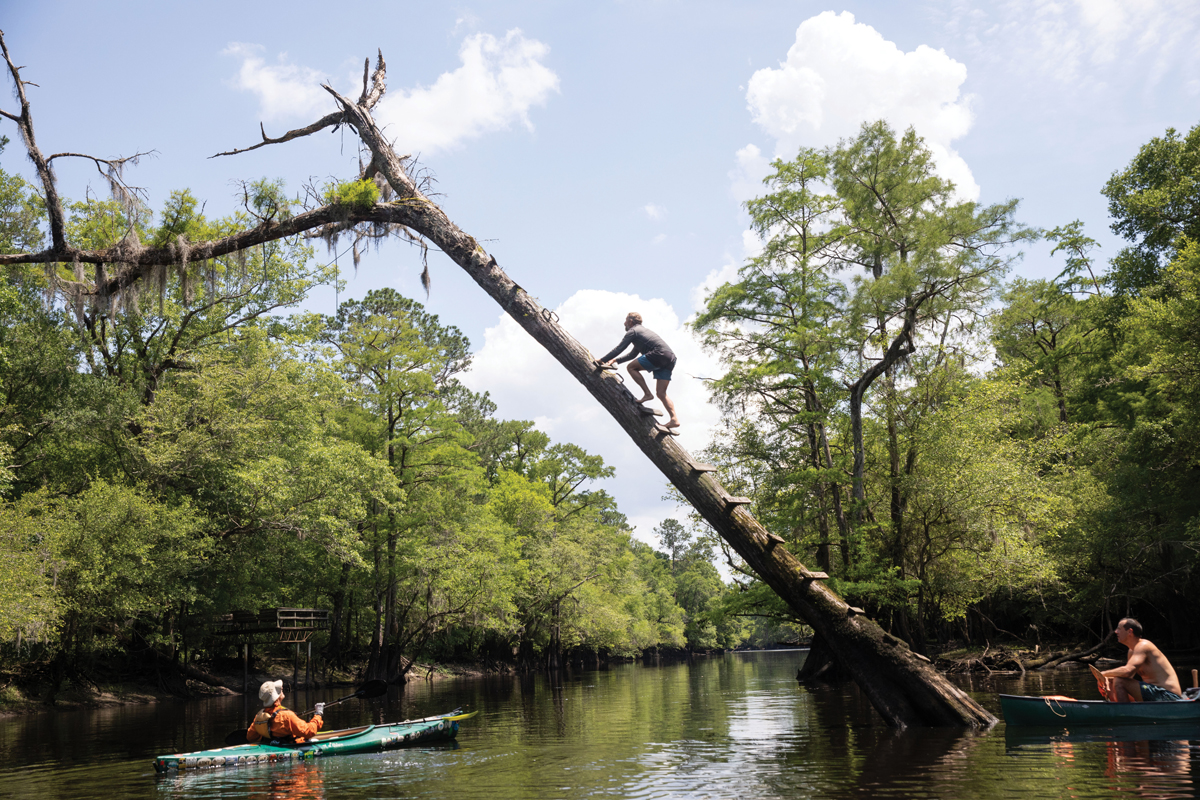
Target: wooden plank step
point(702, 467)
point(738, 501)
point(671, 431)
point(646, 411)
point(815, 576)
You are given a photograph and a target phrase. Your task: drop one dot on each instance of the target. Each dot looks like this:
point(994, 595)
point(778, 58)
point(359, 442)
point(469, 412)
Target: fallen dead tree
point(1078, 655)
point(903, 686)
point(1005, 659)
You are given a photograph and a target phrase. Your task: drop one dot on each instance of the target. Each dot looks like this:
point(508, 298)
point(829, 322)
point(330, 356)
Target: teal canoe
point(368, 739)
point(1053, 711)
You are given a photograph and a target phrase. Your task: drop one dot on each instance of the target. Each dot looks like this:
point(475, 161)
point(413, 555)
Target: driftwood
point(1077, 655)
point(903, 686)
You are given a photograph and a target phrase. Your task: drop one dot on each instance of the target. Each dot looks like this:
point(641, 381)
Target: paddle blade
point(467, 715)
point(237, 737)
point(372, 689)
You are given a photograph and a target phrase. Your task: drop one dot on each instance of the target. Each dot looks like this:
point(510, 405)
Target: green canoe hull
point(370, 739)
point(1044, 712)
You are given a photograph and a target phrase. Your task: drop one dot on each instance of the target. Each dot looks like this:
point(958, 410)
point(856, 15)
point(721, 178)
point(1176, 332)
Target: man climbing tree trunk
point(902, 686)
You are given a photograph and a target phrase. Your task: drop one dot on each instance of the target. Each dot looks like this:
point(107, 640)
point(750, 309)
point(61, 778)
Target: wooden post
point(296, 668)
point(308, 665)
point(246, 667)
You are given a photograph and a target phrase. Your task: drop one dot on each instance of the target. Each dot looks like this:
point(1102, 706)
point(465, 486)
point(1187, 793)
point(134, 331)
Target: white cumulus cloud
point(284, 90)
point(494, 88)
point(840, 73)
point(751, 166)
point(526, 382)
point(499, 81)
point(653, 211)
point(1091, 45)
point(727, 272)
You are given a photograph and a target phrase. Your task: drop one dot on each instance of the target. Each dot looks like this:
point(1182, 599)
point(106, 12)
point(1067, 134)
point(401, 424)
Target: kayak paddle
point(366, 691)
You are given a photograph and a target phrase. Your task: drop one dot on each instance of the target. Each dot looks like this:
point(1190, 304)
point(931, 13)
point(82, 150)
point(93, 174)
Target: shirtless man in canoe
point(1147, 675)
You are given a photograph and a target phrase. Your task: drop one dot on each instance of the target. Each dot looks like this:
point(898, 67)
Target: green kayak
point(369, 739)
point(1062, 711)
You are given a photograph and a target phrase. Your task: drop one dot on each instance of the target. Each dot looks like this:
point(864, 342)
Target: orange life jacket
point(263, 721)
point(278, 724)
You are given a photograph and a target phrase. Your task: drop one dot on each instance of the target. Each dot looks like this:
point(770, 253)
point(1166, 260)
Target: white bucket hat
point(269, 692)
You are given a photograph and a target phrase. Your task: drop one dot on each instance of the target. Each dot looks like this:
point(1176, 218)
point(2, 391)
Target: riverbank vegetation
point(967, 454)
point(972, 456)
point(198, 447)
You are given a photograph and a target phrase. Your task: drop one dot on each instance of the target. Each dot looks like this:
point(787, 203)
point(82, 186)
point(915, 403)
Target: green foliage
point(832, 380)
point(28, 604)
point(179, 450)
point(1154, 201)
point(360, 194)
point(984, 504)
point(119, 552)
point(22, 213)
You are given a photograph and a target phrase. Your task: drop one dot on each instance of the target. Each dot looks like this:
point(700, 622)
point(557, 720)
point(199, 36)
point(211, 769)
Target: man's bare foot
point(646, 399)
point(672, 424)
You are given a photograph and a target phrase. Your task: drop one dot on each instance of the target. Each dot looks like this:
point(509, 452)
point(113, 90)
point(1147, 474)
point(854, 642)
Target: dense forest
point(969, 455)
point(972, 455)
point(192, 450)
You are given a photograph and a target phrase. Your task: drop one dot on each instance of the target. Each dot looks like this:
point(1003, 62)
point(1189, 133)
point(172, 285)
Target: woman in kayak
point(279, 725)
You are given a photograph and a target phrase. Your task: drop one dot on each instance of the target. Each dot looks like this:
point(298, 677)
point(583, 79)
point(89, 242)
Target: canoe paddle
point(365, 692)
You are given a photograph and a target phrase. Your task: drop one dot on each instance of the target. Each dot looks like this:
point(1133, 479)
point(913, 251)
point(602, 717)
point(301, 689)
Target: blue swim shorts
point(663, 374)
point(1157, 694)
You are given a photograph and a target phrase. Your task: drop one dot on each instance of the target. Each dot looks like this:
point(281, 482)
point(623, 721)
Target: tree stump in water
point(821, 666)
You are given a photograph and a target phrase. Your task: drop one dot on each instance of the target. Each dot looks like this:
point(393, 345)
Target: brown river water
point(729, 726)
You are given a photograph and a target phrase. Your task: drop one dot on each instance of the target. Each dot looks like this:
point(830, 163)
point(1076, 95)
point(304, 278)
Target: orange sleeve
point(297, 727)
point(252, 735)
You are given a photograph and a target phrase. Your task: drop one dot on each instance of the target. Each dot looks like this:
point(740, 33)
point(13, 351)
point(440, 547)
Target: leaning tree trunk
point(903, 687)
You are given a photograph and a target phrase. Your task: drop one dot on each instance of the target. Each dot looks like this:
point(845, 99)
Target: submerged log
point(903, 686)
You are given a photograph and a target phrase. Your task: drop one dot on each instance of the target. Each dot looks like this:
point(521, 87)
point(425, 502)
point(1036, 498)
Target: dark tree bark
point(821, 666)
point(902, 686)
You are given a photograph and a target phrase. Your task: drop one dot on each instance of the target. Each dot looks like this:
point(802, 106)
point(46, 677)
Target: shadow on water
point(736, 725)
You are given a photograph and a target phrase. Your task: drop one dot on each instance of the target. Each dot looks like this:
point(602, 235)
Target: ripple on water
point(726, 727)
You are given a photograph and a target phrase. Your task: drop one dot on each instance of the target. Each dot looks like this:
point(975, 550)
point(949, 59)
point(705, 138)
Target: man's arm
point(1130, 669)
point(611, 354)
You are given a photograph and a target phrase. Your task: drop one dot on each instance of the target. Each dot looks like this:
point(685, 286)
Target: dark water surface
point(730, 726)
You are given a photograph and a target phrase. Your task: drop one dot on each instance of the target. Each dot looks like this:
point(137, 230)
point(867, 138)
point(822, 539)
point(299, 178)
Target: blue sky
point(601, 150)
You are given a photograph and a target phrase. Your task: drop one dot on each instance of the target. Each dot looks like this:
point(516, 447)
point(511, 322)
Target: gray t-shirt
point(647, 343)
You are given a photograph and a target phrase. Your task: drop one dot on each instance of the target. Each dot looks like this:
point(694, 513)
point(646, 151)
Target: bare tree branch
point(25, 124)
point(129, 196)
point(140, 260)
point(333, 119)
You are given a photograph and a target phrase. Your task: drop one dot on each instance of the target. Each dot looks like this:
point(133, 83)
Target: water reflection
point(1151, 769)
point(300, 781)
point(1150, 761)
point(731, 726)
